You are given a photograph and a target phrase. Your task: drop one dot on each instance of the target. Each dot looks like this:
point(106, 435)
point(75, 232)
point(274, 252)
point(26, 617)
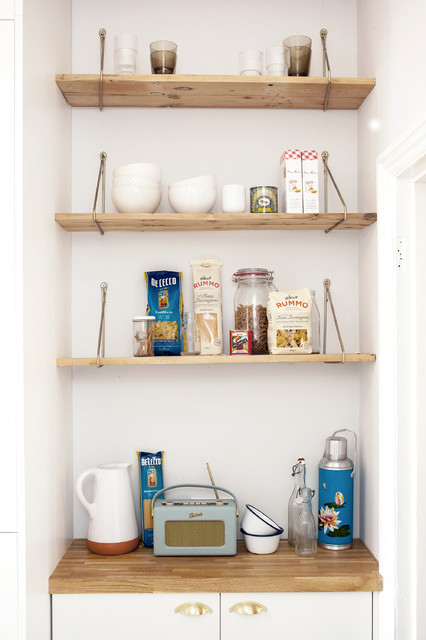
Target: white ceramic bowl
point(134, 199)
point(203, 181)
point(142, 169)
point(262, 544)
point(192, 198)
point(134, 181)
point(255, 522)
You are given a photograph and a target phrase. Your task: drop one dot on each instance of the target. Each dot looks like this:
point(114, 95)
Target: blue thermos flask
point(336, 494)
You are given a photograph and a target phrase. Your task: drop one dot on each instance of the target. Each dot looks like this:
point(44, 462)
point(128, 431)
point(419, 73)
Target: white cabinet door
point(7, 269)
point(305, 616)
point(122, 616)
point(8, 586)
point(7, 9)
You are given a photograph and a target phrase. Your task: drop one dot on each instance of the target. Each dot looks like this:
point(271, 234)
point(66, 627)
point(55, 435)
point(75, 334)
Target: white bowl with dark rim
point(262, 544)
point(255, 522)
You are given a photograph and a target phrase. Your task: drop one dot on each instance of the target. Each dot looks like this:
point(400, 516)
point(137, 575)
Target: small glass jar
point(143, 336)
point(250, 304)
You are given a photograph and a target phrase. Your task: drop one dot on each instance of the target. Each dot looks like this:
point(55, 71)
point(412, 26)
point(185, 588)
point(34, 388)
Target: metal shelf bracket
point(327, 172)
point(101, 174)
point(328, 298)
point(101, 337)
point(102, 35)
point(326, 70)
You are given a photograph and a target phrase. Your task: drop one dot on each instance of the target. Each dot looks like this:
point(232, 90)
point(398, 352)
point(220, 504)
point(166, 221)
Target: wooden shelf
point(223, 359)
point(214, 91)
point(212, 222)
point(81, 571)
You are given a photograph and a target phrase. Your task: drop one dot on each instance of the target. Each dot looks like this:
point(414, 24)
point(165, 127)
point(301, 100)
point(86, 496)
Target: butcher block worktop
point(81, 571)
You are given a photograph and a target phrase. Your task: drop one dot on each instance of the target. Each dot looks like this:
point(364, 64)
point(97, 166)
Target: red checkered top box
point(294, 154)
point(309, 155)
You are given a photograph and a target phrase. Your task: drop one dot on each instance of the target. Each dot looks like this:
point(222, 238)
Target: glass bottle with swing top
point(295, 502)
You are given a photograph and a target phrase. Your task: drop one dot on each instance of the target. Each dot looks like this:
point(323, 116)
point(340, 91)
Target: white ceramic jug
point(112, 528)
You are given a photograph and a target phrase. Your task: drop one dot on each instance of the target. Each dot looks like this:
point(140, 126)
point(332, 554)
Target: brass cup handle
point(193, 609)
point(248, 608)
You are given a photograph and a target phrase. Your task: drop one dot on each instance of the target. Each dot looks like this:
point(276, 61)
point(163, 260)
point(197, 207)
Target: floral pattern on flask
point(339, 498)
point(328, 519)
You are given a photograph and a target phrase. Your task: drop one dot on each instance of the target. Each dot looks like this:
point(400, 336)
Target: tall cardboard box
point(291, 181)
point(310, 181)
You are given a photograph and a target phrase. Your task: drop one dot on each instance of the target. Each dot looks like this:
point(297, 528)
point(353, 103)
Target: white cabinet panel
point(300, 615)
point(8, 586)
point(7, 9)
point(7, 269)
point(133, 617)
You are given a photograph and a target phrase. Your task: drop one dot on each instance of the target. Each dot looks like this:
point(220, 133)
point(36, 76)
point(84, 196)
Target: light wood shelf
point(212, 222)
point(221, 359)
point(81, 571)
point(214, 91)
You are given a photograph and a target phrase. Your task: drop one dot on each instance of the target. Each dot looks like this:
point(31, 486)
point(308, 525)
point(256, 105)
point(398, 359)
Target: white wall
point(390, 37)
point(45, 181)
point(250, 423)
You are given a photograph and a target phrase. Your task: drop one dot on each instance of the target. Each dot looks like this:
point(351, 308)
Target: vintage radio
point(188, 527)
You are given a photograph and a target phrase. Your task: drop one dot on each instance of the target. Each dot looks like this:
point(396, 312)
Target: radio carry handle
point(197, 486)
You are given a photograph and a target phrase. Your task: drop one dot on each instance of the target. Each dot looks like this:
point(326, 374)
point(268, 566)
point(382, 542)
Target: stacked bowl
point(194, 195)
point(136, 188)
point(261, 533)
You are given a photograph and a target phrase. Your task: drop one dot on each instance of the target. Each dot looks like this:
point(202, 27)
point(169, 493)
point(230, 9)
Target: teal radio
point(188, 527)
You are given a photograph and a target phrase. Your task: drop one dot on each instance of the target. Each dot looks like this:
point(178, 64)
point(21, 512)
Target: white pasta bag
point(290, 316)
point(207, 292)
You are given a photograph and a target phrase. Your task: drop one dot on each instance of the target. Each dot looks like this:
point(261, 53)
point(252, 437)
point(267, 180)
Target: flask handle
point(356, 452)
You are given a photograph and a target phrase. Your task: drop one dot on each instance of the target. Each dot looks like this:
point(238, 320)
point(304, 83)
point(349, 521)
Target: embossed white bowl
point(202, 181)
point(134, 181)
point(136, 199)
point(192, 198)
point(143, 169)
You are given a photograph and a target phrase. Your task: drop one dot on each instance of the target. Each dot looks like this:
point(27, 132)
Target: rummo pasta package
point(207, 291)
point(150, 481)
point(165, 302)
point(293, 322)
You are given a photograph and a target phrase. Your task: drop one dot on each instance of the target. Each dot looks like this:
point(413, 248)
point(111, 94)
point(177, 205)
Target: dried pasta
point(290, 326)
point(165, 302)
point(207, 290)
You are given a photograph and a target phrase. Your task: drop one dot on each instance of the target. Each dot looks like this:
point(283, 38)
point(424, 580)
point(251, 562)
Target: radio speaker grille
point(198, 533)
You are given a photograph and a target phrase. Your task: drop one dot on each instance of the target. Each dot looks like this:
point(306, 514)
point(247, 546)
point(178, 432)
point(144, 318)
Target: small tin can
point(263, 199)
point(240, 342)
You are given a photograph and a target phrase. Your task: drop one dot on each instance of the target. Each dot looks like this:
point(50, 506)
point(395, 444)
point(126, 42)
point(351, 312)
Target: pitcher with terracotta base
point(113, 527)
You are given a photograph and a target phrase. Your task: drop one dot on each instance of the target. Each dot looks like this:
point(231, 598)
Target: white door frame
point(400, 169)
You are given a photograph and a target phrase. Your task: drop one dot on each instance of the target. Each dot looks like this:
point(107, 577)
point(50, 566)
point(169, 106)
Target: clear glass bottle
point(306, 530)
point(251, 298)
point(316, 332)
point(295, 502)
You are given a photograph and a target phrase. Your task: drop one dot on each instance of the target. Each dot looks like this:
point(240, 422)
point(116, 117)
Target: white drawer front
point(133, 617)
point(305, 616)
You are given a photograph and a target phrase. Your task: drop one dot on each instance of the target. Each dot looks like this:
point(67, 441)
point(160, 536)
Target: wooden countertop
point(81, 571)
